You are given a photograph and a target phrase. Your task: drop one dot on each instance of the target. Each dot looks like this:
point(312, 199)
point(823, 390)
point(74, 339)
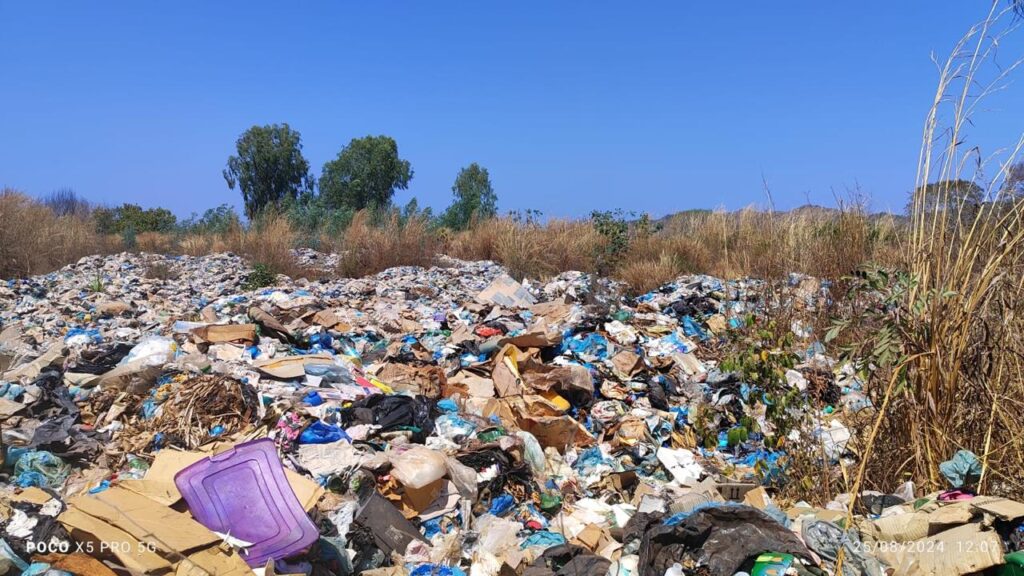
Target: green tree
point(1013, 185)
point(134, 218)
point(365, 174)
point(474, 196)
point(412, 211)
point(269, 167)
point(953, 196)
point(217, 220)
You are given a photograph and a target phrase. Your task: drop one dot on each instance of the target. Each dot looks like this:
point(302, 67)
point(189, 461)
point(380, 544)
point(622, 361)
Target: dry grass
point(957, 378)
point(366, 248)
point(33, 240)
point(157, 243)
point(750, 242)
point(821, 243)
point(530, 249)
point(824, 243)
point(268, 241)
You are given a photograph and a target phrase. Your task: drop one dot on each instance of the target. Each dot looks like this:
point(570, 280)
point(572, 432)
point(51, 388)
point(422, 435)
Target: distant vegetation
point(350, 210)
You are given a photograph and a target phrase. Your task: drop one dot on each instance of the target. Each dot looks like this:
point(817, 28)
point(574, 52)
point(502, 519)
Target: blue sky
point(654, 107)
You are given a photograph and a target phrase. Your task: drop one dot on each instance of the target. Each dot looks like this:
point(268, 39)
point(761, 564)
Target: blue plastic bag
point(320, 433)
point(962, 469)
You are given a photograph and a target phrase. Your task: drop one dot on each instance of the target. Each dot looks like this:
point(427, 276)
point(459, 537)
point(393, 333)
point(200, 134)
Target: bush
point(262, 275)
point(133, 217)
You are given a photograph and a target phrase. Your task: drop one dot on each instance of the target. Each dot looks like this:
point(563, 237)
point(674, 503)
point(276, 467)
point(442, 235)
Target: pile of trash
point(448, 421)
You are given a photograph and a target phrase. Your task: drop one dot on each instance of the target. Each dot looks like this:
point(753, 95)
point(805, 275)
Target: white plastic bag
point(533, 453)
point(152, 351)
point(418, 466)
point(681, 463)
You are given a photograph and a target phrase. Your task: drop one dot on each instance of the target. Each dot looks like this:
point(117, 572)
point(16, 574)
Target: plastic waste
point(453, 427)
point(533, 453)
point(152, 351)
point(9, 560)
point(41, 468)
point(417, 466)
point(962, 469)
point(331, 373)
point(244, 492)
point(320, 433)
point(77, 337)
point(681, 463)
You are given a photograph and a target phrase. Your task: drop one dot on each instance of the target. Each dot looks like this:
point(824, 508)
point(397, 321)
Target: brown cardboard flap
point(218, 333)
point(291, 367)
point(1000, 507)
point(128, 550)
point(146, 520)
point(965, 549)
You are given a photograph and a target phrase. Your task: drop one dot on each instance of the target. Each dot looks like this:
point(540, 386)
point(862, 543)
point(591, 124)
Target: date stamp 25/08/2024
point(933, 546)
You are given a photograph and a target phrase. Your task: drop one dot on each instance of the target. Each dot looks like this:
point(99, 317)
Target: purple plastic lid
point(244, 493)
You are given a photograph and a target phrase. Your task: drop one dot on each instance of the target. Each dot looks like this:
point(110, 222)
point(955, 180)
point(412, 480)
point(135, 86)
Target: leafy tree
point(474, 196)
point(412, 211)
point(217, 220)
point(1013, 185)
point(132, 217)
point(310, 218)
point(953, 196)
point(365, 174)
point(269, 167)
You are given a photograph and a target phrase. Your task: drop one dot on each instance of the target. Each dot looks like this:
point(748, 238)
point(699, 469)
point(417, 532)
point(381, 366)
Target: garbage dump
point(449, 421)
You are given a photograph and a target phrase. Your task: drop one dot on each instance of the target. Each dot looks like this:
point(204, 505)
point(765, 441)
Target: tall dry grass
point(268, 240)
point(34, 240)
point(530, 249)
point(824, 243)
point(367, 247)
point(956, 321)
point(820, 242)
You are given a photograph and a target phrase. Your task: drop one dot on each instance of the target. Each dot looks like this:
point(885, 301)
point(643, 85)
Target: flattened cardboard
point(76, 563)
point(128, 550)
point(553, 311)
point(53, 355)
point(145, 519)
point(758, 498)
point(9, 408)
point(1000, 507)
point(538, 335)
point(223, 333)
point(290, 367)
point(326, 318)
point(627, 362)
point(213, 560)
point(899, 528)
point(432, 500)
point(558, 432)
point(471, 384)
point(32, 495)
point(962, 550)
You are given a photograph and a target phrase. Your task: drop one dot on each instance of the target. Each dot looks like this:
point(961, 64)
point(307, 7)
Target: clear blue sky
point(654, 107)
